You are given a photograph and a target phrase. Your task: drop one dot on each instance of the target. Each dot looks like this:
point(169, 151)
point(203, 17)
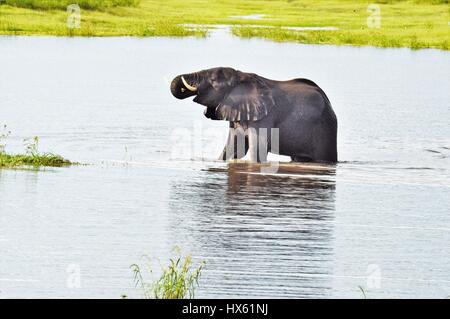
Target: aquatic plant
point(363, 291)
point(177, 281)
point(3, 136)
point(32, 157)
point(19, 160)
point(31, 145)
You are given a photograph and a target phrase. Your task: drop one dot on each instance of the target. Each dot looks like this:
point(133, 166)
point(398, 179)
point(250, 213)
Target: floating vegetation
point(32, 156)
point(20, 160)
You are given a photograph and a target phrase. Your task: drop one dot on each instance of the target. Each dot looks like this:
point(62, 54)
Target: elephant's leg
point(258, 146)
point(237, 144)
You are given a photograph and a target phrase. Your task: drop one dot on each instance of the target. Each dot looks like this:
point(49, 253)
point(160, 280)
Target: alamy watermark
point(374, 18)
point(74, 18)
point(251, 144)
point(73, 276)
point(373, 276)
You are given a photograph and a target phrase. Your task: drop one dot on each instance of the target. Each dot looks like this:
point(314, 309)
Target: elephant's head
point(228, 94)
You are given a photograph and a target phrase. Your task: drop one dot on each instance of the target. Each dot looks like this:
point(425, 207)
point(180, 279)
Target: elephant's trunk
point(189, 87)
point(182, 87)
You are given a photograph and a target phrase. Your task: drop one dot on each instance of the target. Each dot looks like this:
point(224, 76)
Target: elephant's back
point(304, 88)
point(305, 105)
point(304, 94)
point(308, 125)
point(303, 81)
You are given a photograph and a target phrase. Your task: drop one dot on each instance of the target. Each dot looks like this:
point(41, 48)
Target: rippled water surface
point(380, 219)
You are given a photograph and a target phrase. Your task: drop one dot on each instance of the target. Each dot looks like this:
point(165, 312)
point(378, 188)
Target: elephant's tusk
point(190, 88)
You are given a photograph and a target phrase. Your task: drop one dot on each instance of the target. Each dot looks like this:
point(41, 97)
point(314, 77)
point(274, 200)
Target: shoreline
point(419, 24)
point(343, 45)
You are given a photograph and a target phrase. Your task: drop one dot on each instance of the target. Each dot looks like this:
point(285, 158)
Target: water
point(379, 219)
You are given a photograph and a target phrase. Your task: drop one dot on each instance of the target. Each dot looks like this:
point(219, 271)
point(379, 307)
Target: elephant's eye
point(182, 90)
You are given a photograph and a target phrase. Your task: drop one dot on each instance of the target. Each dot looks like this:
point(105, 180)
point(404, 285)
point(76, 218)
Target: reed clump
point(178, 280)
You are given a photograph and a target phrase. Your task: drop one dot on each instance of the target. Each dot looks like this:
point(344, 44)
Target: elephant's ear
point(250, 100)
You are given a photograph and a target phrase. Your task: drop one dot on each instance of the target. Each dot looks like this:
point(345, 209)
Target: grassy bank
point(414, 23)
point(62, 4)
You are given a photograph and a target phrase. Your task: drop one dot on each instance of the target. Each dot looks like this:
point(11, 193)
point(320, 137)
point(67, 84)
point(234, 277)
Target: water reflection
point(252, 178)
point(263, 234)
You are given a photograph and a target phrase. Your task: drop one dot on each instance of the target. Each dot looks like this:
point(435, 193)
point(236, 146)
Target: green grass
point(410, 23)
point(31, 158)
point(177, 281)
point(62, 4)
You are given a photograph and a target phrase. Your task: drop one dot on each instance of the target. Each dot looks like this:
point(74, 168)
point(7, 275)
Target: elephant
point(292, 118)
